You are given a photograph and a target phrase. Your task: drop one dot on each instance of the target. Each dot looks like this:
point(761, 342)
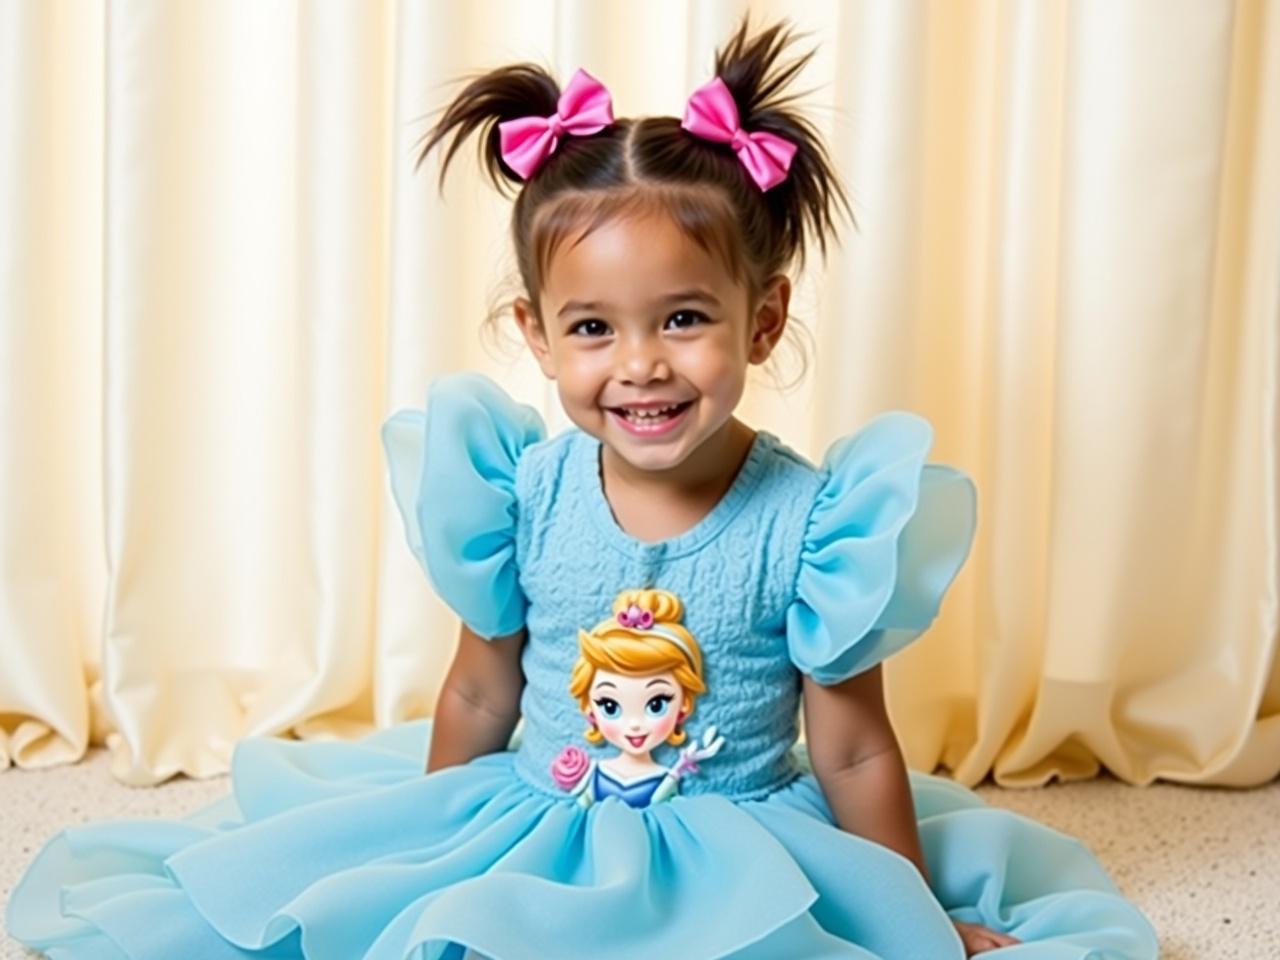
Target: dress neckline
point(706, 529)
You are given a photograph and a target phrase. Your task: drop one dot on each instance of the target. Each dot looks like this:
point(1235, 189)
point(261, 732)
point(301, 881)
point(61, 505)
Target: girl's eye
point(657, 706)
point(590, 328)
point(689, 317)
point(609, 708)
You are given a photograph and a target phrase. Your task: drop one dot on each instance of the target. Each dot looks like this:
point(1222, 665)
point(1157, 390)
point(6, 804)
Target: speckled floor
point(1203, 863)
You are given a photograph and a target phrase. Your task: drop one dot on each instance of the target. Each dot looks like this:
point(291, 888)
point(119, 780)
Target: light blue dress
point(347, 850)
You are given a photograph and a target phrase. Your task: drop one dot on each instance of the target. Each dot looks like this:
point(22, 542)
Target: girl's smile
point(657, 422)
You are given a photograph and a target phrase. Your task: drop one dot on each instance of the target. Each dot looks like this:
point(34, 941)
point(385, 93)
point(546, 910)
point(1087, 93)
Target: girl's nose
point(642, 360)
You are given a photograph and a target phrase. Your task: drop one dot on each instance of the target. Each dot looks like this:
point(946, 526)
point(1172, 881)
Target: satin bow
point(712, 115)
point(583, 108)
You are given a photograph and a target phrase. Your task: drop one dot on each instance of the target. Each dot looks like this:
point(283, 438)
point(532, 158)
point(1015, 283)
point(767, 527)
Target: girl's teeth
point(650, 415)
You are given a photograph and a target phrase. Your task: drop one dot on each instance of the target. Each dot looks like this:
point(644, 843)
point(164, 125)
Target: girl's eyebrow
point(572, 305)
point(606, 683)
point(655, 680)
point(680, 296)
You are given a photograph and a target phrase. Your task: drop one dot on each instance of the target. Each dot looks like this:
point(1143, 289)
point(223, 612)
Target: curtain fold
point(219, 272)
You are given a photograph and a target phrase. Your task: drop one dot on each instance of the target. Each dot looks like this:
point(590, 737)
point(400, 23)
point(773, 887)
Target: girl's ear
point(534, 335)
point(770, 318)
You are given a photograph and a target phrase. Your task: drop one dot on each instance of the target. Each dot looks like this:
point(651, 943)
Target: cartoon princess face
point(637, 679)
point(636, 713)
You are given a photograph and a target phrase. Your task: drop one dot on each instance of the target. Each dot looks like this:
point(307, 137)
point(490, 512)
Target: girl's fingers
point(978, 939)
point(991, 943)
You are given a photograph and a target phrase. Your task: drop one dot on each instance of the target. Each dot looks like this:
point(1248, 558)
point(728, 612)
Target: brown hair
point(642, 164)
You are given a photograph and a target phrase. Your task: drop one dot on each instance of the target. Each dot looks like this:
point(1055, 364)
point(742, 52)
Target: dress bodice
point(734, 572)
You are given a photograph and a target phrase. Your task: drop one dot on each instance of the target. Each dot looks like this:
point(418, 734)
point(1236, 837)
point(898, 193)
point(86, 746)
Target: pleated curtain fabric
point(219, 272)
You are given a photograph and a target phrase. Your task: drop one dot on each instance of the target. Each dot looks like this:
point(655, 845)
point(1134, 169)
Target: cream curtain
point(219, 273)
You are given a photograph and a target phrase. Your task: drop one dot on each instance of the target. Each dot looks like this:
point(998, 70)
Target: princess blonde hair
point(636, 651)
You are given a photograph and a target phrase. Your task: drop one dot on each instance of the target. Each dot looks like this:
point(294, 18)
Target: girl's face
point(637, 316)
point(634, 713)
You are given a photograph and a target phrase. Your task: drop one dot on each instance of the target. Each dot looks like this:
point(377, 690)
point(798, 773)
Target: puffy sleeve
point(452, 468)
point(886, 535)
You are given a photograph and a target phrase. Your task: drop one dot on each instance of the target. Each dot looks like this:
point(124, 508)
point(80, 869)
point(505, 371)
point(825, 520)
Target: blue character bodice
point(634, 793)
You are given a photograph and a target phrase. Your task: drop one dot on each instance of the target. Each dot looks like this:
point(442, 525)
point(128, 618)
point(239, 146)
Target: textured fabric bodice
point(735, 571)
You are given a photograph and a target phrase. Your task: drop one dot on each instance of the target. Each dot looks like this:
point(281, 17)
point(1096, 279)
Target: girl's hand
point(690, 755)
point(979, 939)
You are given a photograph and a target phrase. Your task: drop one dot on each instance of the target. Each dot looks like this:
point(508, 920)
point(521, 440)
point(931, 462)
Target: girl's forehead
point(633, 260)
point(651, 246)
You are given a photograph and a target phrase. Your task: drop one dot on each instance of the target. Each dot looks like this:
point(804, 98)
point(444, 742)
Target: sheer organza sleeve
point(452, 467)
point(886, 535)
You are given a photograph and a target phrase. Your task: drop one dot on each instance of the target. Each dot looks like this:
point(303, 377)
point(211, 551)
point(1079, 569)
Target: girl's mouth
point(637, 742)
point(650, 423)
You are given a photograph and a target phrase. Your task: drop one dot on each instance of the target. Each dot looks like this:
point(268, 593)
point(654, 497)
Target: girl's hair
point(643, 164)
point(633, 650)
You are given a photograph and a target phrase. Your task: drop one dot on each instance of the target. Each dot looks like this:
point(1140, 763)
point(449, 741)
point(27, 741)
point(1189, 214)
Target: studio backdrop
point(219, 273)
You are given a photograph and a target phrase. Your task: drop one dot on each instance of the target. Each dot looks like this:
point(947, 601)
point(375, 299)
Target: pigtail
point(804, 205)
point(505, 93)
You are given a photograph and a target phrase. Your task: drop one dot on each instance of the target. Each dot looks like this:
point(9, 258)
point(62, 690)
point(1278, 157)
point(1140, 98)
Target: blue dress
point(548, 849)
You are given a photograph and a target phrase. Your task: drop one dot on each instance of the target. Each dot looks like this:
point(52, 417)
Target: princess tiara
point(638, 618)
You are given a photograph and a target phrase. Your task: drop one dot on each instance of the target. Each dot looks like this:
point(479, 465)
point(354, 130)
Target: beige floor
point(1203, 863)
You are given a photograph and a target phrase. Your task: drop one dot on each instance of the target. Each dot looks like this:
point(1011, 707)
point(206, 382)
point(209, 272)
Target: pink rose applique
point(568, 768)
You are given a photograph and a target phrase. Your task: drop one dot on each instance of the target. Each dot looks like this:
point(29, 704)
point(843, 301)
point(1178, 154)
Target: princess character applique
point(637, 680)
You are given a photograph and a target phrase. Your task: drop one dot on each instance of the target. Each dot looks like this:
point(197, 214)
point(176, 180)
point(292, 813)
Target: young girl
point(654, 254)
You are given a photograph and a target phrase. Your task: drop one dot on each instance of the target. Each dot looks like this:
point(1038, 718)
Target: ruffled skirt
point(335, 851)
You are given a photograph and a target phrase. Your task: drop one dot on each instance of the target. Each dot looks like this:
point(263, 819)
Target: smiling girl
point(655, 255)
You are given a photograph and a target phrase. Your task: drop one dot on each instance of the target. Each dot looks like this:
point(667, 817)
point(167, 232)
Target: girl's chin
point(647, 454)
point(650, 464)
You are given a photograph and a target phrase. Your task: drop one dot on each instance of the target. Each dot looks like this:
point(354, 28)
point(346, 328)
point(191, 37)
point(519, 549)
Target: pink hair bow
point(583, 108)
point(712, 115)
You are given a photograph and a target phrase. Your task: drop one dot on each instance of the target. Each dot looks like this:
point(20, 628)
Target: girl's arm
point(855, 756)
point(856, 759)
point(479, 704)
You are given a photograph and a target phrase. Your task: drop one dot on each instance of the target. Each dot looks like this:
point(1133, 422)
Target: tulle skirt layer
point(333, 851)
